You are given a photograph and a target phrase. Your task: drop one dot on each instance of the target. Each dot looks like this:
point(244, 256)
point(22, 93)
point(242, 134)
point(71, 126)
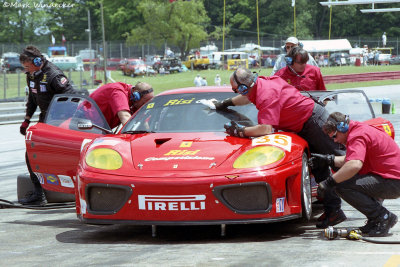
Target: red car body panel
point(174, 177)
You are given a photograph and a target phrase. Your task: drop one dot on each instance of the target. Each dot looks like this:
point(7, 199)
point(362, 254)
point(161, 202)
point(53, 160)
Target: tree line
point(187, 23)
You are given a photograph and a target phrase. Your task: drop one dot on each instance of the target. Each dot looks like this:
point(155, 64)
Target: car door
point(54, 146)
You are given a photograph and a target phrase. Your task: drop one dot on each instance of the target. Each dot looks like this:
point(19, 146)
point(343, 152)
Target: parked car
point(394, 60)
point(170, 65)
point(165, 168)
point(12, 64)
point(134, 67)
point(339, 59)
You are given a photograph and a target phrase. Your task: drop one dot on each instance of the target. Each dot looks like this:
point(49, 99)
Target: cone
point(393, 109)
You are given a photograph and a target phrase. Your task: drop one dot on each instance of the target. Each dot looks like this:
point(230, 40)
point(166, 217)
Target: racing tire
point(306, 197)
point(25, 185)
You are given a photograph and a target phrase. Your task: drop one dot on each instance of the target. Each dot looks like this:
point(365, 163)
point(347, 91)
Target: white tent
point(316, 46)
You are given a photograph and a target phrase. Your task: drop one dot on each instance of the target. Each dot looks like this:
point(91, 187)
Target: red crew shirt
point(309, 80)
point(280, 104)
point(375, 148)
point(111, 98)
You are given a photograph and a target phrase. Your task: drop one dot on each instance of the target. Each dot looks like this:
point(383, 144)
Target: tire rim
point(306, 181)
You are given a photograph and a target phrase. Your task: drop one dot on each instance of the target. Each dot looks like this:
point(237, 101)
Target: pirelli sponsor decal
point(172, 202)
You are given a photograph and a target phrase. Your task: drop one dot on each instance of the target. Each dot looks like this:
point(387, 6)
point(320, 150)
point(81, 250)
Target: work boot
point(368, 226)
point(383, 224)
point(331, 219)
point(35, 198)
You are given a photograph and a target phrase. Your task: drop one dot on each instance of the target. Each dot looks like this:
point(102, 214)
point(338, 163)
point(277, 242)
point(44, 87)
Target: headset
point(37, 61)
point(341, 126)
point(137, 95)
point(242, 88)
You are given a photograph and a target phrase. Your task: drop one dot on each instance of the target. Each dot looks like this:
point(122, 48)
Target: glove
point(219, 105)
point(325, 186)
point(234, 129)
point(24, 126)
point(315, 158)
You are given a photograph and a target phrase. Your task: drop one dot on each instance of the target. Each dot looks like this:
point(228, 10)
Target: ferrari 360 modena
point(173, 162)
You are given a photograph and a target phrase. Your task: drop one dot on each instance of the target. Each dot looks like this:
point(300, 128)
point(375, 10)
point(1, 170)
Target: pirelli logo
point(172, 203)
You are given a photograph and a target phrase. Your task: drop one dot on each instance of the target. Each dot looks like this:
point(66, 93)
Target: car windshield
point(186, 113)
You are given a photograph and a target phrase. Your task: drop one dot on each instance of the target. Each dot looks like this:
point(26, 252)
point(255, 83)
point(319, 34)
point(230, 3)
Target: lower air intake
point(106, 198)
point(247, 198)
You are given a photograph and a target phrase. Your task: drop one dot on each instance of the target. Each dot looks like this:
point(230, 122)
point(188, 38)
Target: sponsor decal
point(31, 84)
point(279, 140)
point(176, 158)
point(386, 127)
point(43, 88)
point(66, 181)
point(186, 144)
point(178, 102)
point(182, 152)
point(151, 105)
point(40, 177)
point(280, 204)
point(51, 179)
point(44, 80)
point(84, 142)
point(172, 202)
point(34, 90)
point(63, 80)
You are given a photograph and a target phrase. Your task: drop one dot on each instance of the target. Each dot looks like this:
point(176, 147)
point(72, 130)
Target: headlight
point(258, 156)
point(104, 158)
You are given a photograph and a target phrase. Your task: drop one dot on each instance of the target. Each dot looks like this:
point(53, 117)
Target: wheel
point(306, 198)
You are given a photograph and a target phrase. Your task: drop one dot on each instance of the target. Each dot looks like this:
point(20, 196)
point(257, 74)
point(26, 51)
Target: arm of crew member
point(240, 100)
point(258, 130)
point(348, 170)
point(339, 161)
point(123, 116)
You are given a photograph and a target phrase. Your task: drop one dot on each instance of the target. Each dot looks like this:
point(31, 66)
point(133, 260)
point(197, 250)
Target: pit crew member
point(118, 101)
point(301, 75)
point(368, 172)
point(44, 80)
point(290, 43)
point(282, 107)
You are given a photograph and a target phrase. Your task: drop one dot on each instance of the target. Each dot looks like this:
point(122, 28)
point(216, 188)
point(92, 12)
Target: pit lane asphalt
point(57, 238)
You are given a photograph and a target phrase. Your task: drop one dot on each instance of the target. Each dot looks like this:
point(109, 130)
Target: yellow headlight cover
point(104, 158)
point(259, 156)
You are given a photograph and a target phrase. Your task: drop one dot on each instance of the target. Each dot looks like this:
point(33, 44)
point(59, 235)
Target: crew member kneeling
point(370, 171)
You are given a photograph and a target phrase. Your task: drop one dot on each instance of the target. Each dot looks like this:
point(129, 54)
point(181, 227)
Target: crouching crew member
point(369, 172)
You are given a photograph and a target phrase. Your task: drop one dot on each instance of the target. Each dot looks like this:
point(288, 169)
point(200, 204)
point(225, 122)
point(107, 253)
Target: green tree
point(181, 23)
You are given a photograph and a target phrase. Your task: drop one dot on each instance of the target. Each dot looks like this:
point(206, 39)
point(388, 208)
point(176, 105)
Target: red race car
point(172, 162)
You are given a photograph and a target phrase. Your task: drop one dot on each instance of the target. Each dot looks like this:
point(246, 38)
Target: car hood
point(174, 154)
point(182, 151)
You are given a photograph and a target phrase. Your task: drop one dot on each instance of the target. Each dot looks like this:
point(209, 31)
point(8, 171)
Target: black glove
point(219, 105)
point(315, 158)
point(24, 126)
point(234, 129)
point(325, 186)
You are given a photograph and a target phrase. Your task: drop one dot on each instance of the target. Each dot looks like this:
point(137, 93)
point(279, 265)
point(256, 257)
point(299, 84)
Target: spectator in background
point(217, 80)
point(204, 81)
point(299, 74)
point(384, 39)
point(321, 60)
point(376, 58)
point(290, 43)
point(197, 80)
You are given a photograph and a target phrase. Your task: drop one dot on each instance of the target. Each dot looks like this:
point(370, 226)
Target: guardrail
point(14, 112)
point(362, 77)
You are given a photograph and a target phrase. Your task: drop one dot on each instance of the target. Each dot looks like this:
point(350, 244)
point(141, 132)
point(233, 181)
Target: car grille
point(106, 198)
point(247, 198)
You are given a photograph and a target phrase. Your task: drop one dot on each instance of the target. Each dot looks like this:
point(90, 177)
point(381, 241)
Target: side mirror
point(84, 124)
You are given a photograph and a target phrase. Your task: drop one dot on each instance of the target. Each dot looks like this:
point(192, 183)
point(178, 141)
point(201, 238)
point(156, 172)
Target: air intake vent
point(106, 198)
point(246, 198)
